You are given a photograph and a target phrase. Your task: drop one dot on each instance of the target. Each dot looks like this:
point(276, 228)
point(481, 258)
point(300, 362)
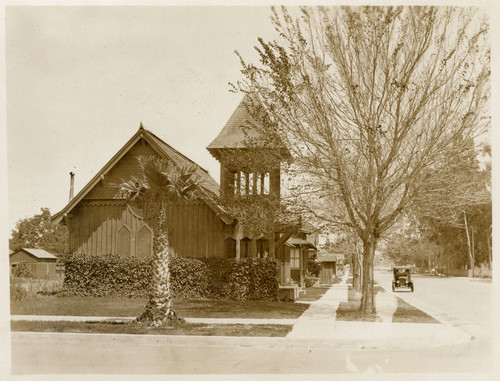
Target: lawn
point(120, 307)
point(263, 330)
point(312, 294)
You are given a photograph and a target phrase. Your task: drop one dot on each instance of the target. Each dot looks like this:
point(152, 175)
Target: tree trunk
point(367, 299)
point(357, 266)
point(159, 311)
point(490, 256)
point(355, 276)
point(469, 250)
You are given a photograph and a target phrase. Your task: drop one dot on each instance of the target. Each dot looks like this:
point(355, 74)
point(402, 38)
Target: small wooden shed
point(40, 262)
point(328, 263)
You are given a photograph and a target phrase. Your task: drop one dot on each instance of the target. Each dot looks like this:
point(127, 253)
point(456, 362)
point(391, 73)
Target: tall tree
point(454, 194)
point(368, 101)
point(38, 232)
point(160, 183)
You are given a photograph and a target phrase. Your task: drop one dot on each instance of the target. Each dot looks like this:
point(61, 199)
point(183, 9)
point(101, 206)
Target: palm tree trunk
point(159, 310)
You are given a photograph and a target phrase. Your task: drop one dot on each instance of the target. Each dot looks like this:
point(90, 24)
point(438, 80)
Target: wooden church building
point(101, 220)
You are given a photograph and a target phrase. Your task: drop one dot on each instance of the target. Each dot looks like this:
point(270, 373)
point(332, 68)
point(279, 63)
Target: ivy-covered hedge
point(213, 278)
point(245, 279)
point(106, 275)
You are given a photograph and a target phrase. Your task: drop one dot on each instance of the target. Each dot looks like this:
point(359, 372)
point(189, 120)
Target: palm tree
point(160, 183)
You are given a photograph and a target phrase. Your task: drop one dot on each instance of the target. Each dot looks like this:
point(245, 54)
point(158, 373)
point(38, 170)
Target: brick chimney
point(71, 185)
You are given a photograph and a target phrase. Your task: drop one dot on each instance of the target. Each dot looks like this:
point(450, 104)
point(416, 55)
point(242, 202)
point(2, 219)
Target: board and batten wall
point(99, 227)
point(103, 223)
point(40, 267)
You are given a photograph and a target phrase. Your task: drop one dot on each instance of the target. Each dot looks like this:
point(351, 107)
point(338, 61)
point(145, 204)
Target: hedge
point(212, 278)
point(23, 270)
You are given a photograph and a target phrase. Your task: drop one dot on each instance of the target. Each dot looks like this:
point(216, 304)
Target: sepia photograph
point(259, 189)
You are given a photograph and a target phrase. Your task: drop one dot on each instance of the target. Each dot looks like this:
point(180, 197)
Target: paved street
point(461, 301)
point(56, 353)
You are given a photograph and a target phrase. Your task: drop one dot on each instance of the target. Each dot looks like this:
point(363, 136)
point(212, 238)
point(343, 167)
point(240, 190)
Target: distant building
point(41, 263)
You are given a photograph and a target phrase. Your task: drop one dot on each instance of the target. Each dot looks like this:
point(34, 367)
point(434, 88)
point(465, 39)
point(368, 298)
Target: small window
point(244, 247)
point(262, 248)
point(230, 247)
point(295, 258)
point(123, 241)
point(266, 183)
point(250, 187)
point(144, 242)
point(243, 183)
point(250, 183)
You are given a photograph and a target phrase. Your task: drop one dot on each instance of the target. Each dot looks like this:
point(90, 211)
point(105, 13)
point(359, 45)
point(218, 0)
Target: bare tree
point(368, 100)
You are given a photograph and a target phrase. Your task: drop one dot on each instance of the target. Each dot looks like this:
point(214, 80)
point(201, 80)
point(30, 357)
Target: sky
point(80, 80)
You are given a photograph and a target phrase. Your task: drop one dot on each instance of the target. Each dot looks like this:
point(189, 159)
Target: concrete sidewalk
point(319, 322)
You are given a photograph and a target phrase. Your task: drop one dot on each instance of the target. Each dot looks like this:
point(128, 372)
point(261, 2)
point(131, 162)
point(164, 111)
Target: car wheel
point(411, 287)
point(393, 287)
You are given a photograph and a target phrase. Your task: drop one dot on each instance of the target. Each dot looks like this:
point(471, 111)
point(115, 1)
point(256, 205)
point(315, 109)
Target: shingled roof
point(239, 129)
point(201, 175)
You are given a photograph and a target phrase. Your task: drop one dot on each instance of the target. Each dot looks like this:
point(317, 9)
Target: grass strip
point(404, 312)
point(255, 330)
point(312, 294)
point(106, 306)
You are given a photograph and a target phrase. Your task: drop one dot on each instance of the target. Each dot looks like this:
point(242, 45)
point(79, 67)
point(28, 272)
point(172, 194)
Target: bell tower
point(250, 162)
point(250, 157)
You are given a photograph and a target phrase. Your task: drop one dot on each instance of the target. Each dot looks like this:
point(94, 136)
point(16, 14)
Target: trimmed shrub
point(244, 279)
point(23, 270)
point(310, 281)
point(106, 275)
point(190, 278)
point(313, 267)
point(214, 278)
point(219, 276)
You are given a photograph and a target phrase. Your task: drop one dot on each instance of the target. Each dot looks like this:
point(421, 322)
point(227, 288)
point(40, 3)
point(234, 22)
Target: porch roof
point(298, 242)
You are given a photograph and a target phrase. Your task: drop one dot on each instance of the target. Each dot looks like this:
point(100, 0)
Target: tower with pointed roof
point(250, 155)
point(250, 161)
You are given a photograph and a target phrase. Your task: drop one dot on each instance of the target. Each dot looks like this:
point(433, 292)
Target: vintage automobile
point(402, 278)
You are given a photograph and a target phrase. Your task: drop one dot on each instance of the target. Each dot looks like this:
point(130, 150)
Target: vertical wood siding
point(196, 231)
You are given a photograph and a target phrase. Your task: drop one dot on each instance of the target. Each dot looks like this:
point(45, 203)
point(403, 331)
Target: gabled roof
point(39, 253)
point(166, 152)
point(239, 129)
